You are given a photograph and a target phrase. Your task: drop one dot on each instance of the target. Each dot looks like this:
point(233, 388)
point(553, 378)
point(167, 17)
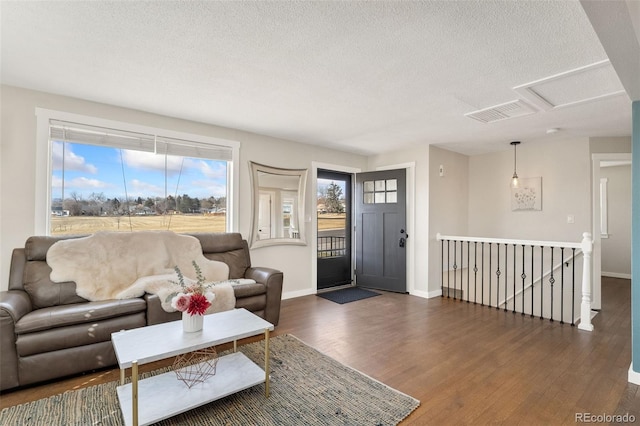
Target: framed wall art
point(528, 195)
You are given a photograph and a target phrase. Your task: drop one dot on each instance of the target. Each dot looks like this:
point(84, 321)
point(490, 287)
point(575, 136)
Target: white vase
point(191, 323)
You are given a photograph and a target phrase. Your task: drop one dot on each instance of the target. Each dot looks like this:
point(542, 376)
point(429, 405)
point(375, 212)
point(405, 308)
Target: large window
point(115, 179)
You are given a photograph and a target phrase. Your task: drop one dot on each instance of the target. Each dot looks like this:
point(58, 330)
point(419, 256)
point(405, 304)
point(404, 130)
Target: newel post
point(585, 307)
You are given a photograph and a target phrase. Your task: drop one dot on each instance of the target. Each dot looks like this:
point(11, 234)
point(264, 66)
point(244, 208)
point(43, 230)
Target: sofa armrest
point(272, 279)
point(14, 304)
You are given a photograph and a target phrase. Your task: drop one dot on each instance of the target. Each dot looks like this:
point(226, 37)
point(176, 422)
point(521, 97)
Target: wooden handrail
point(509, 241)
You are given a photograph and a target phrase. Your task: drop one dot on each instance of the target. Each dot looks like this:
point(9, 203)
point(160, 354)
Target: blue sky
point(95, 169)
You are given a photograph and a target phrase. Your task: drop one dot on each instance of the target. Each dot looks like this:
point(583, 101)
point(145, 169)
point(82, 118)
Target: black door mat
point(347, 295)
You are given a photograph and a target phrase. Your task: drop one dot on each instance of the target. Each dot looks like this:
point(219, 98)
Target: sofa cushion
point(236, 259)
point(77, 313)
point(36, 247)
point(76, 335)
point(43, 292)
point(229, 248)
point(50, 365)
point(212, 242)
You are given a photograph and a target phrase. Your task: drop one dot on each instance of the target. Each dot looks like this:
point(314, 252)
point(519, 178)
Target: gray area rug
point(307, 388)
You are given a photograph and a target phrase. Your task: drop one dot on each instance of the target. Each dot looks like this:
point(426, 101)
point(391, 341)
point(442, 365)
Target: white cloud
point(79, 183)
point(153, 162)
point(219, 171)
point(72, 161)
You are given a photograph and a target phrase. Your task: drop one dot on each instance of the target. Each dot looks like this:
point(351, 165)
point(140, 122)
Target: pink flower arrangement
point(195, 298)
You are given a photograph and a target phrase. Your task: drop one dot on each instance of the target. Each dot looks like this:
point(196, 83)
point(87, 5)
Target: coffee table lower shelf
point(164, 395)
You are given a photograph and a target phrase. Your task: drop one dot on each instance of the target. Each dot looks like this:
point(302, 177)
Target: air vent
point(517, 108)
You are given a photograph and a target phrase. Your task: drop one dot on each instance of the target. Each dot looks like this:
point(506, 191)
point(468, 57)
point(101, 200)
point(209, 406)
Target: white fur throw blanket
point(114, 265)
point(225, 298)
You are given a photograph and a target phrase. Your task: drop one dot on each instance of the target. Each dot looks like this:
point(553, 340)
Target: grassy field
point(331, 221)
point(176, 223)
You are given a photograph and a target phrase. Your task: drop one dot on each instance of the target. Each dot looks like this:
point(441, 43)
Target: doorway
point(598, 203)
point(334, 229)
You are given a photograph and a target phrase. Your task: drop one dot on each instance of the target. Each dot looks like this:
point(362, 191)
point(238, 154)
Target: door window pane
point(392, 185)
point(368, 198)
point(392, 197)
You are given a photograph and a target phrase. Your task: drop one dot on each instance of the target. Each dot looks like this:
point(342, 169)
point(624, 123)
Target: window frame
point(44, 166)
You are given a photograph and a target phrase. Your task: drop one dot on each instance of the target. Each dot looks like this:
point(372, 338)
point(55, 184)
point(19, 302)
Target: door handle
point(402, 242)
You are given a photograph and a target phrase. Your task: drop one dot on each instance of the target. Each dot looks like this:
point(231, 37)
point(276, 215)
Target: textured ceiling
point(366, 77)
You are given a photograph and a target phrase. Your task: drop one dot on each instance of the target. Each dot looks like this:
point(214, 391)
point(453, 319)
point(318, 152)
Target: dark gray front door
point(381, 231)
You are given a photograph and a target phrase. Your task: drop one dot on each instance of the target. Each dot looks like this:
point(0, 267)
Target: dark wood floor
point(467, 364)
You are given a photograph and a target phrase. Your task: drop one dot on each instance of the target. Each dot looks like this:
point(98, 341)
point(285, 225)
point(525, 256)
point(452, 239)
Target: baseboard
point(616, 275)
point(420, 293)
point(435, 293)
point(299, 293)
point(634, 377)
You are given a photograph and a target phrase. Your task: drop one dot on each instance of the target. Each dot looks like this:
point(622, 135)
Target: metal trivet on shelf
point(196, 367)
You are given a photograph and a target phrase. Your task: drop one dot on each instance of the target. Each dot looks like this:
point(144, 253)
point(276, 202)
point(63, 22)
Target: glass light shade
point(514, 181)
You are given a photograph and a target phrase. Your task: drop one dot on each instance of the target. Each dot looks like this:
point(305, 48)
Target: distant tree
point(185, 203)
point(195, 205)
point(221, 202)
point(170, 203)
point(333, 199)
point(116, 205)
point(97, 197)
point(74, 204)
point(322, 193)
point(207, 203)
point(96, 203)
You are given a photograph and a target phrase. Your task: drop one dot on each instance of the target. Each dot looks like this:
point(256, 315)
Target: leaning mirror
point(277, 205)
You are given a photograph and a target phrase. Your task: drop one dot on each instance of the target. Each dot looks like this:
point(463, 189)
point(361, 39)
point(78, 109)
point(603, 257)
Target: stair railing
point(530, 277)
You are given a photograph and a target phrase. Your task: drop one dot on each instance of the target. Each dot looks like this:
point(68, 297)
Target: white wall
point(616, 250)
point(448, 208)
point(565, 168)
point(610, 145)
point(18, 168)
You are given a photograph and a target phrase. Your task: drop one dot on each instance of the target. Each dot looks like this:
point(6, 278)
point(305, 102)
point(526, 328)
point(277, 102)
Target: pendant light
point(514, 178)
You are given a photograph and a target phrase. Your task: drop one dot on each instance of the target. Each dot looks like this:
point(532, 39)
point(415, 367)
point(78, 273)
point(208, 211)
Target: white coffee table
point(159, 397)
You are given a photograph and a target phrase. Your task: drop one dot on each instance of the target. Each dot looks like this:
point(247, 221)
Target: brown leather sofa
point(47, 331)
